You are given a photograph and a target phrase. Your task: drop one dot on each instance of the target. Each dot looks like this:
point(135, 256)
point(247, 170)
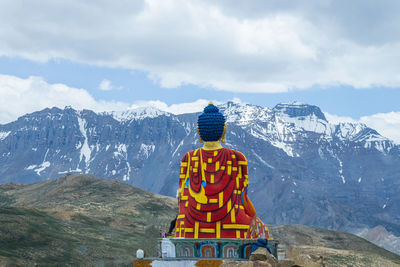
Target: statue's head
point(211, 124)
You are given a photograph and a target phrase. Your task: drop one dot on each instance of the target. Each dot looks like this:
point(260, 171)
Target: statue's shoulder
point(191, 153)
point(239, 155)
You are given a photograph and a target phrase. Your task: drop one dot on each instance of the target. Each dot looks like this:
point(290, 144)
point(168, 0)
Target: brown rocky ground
point(303, 243)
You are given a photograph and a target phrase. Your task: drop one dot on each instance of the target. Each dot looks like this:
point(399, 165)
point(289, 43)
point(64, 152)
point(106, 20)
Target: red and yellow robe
point(212, 196)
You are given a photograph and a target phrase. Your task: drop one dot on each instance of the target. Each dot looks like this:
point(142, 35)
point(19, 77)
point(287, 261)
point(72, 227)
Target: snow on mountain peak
point(297, 109)
point(138, 114)
point(244, 113)
point(285, 121)
point(359, 132)
point(307, 117)
point(348, 130)
point(3, 135)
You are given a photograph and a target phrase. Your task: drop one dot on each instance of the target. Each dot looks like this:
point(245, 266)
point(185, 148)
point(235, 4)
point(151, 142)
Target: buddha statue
point(212, 195)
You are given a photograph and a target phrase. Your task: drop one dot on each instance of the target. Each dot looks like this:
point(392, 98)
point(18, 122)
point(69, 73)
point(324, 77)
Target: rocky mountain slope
point(336, 248)
point(79, 220)
point(381, 237)
point(302, 168)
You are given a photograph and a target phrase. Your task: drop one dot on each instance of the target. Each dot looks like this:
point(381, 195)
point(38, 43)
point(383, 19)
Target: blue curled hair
point(211, 124)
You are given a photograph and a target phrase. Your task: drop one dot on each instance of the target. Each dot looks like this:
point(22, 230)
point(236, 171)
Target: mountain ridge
point(342, 176)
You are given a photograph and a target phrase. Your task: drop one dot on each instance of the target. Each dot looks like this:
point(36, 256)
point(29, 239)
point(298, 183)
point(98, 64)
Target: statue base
point(218, 248)
point(171, 262)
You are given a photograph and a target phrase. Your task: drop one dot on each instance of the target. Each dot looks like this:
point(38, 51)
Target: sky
point(176, 55)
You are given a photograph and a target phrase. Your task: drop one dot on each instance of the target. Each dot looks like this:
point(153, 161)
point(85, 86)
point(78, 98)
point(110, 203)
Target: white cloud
point(20, 96)
point(335, 119)
point(254, 46)
point(387, 124)
point(106, 85)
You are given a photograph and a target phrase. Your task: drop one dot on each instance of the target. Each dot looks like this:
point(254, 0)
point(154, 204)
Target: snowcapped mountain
point(302, 168)
point(137, 114)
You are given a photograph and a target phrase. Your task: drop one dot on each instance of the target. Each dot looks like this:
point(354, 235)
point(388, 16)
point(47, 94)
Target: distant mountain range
point(302, 168)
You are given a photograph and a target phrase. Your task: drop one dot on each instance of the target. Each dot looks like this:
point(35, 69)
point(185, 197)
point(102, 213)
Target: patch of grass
point(5, 200)
point(333, 238)
point(87, 221)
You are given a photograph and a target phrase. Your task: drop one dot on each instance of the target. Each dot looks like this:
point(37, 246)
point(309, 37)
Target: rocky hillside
point(336, 248)
point(80, 220)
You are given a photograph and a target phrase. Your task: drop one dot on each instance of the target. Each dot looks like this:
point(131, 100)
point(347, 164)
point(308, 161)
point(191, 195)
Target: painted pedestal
point(227, 248)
